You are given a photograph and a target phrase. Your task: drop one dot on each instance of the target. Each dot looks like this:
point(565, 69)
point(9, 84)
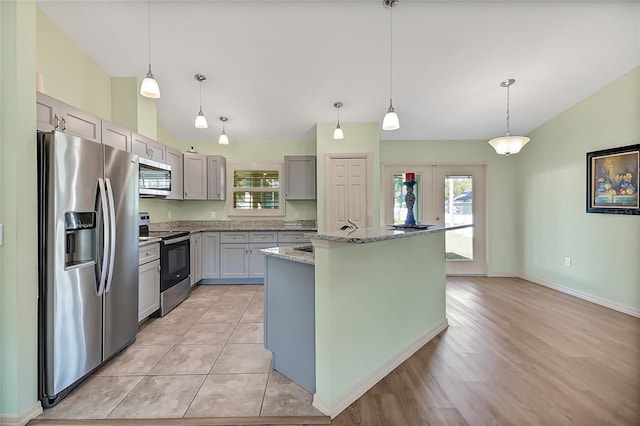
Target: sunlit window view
point(399, 205)
point(256, 189)
point(458, 210)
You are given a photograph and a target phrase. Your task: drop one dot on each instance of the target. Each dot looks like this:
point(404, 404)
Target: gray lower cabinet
point(289, 238)
point(234, 260)
point(210, 255)
point(196, 258)
point(240, 255)
point(148, 280)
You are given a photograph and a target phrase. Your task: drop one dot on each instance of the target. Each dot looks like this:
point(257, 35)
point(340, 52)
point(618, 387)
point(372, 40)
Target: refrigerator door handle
point(112, 239)
point(107, 235)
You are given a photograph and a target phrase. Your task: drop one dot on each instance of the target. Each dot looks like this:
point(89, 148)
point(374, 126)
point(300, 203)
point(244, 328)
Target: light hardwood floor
point(514, 353)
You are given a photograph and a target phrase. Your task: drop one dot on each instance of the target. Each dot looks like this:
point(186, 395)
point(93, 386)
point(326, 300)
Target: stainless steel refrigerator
point(88, 258)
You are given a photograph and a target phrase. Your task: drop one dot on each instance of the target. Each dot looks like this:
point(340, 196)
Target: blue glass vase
point(410, 200)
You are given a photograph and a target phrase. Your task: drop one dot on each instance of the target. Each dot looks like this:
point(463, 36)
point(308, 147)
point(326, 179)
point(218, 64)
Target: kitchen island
point(378, 296)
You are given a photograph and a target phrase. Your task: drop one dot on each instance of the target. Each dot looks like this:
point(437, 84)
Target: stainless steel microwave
point(154, 178)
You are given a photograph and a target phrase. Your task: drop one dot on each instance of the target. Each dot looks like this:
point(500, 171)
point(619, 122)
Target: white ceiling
point(275, 68)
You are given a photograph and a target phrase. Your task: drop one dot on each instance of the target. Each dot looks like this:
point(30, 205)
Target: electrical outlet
point(168, 215)
point(567, 261)
point(297, 215)
point(212, 215)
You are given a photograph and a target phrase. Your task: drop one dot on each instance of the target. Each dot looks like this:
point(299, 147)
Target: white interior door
point(347, 192)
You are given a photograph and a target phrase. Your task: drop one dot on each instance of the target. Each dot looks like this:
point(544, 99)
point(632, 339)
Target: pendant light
point(224, 139)
point(201, 120)
point(507, 145)
point(337, 133)
point(390, 120)
point(149, 87)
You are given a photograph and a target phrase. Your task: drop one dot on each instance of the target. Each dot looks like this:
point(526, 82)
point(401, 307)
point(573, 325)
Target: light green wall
point(502, 189)
point(369, 311)
point(70, 75)
point(124, 102)
point(235, 152)
point(358, 138)
point(604, 249)
point(18, 254)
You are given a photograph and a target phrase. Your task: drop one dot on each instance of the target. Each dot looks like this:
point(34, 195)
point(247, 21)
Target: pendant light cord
point(508, 130)
point(390, 53)
point(200, 96)
point(149, 28)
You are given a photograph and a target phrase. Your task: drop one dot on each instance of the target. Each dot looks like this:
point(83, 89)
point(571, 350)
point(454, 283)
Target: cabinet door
point(300, 177)
point(79, 123)
point(197, 270)
point(234, 260)
point(256, 260)
point(158, 151)
point(148, 289)
point(116, 136)
point(195, 176)
point(210, 255)
point(174, 159)
point(216, 175)
point(47, 112)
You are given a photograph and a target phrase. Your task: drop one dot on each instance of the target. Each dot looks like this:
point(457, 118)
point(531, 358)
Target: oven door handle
point(175, 240)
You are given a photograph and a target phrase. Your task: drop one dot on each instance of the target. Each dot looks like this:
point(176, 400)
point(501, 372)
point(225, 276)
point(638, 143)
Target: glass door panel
point(458, 210)
point(399, 193)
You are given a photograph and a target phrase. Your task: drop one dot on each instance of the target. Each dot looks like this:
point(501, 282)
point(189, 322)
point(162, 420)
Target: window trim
point(277, 166)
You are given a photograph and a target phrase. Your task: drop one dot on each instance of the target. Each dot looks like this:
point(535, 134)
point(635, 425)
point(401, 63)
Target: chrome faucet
point(351, 225)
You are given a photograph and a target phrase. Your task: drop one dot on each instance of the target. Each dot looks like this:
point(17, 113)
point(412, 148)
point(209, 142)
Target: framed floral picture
point(613, 180)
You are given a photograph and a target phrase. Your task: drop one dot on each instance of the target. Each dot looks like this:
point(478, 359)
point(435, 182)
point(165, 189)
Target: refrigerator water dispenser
point(80, 228)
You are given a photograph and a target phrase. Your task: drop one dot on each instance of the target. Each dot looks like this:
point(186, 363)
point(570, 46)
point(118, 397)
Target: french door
point(445, 195)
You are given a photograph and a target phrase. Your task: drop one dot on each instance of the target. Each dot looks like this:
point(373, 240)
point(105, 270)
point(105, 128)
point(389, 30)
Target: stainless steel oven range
point(174, 264)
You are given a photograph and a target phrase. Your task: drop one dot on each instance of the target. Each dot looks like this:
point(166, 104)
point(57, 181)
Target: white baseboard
point(585, 296)
point(336, 406)
point(22, 418)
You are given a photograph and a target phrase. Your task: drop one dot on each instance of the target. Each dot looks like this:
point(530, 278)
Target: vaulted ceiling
point(275, 68)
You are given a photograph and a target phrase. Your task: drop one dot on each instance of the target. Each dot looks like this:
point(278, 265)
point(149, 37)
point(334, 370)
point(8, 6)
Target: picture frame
point(613, 180)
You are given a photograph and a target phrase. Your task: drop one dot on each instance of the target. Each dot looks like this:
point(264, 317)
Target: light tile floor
point(206, 358)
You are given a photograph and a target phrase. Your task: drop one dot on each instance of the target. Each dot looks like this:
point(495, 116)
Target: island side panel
point(373, 301)
point(289, 319)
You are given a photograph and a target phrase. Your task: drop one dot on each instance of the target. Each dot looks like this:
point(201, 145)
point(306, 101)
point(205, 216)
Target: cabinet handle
point(186, 193)
point(148, 254)
point(158, 268)
point(64, 124)
point(57, 122)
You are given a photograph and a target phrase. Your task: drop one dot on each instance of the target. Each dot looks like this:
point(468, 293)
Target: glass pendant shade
point(149, 87)
point(224, 139)
point(201, 121)
point(507, 145)
point(390, 120)
point(338, 133)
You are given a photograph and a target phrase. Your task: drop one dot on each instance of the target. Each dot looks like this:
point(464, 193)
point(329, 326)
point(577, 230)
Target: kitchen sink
point(308, 249)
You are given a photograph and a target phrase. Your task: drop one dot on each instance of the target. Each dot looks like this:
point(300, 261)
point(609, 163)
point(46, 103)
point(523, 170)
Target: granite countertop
point(371, 235)
point(290, 253)
point(234, 225)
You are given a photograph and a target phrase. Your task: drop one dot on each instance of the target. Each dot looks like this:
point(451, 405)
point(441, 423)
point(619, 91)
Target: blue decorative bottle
point(410, 200)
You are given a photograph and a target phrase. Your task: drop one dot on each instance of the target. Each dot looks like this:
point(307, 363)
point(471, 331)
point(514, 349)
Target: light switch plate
point(1, 234)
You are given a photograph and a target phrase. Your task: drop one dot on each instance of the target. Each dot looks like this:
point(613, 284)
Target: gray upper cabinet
point(116, 136)
point(52, 114)
point(195, 176)
point(300, 177)
point(216, 177)
point(146, 147)
point(174, 159)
